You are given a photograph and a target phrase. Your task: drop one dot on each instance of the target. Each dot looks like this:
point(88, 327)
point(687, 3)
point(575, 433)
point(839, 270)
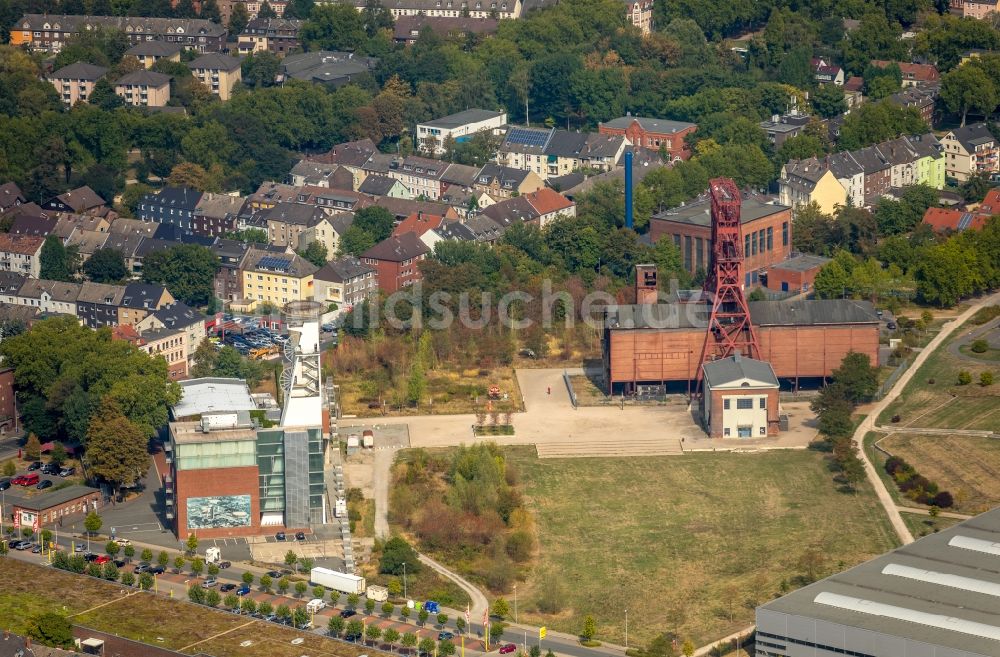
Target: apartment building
point(277, 35)
point(21, 254)
point(433, 135)
point(220, 73)
point(500, 9)
point(652, 134)
point(970, 151)
point(144, 88)
point(150, 52)
point(275, 280)
point(50, 32)
point(346, 282)
point(76, 82)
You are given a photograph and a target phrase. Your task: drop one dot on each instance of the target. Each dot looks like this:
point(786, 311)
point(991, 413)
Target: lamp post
point(515, 603)
point(404, 581)
point(626, 628)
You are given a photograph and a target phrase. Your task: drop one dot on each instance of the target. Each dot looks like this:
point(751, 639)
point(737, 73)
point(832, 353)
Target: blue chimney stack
point(628, 189)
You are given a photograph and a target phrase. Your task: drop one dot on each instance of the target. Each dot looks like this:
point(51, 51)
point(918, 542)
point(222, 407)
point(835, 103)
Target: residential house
point(766, 228)
point(333, 201)
point(396, 261)
point(128, 245)
point(98, 303)
point(825, 73)
point(11, 196)
point(977, 8)
point(171, 205)
point(551, 152)
point(483, 228)
point(170, 345)
point(449, 231)
point(50, 32)
point(501, 182)
point(499, 9)
point(433, 135)
point(660, 135)
point(640, 14)
point(353, 156)
point(67, 222)
point(328, 230)
point(286, 221)
point(216, 214)
point(333, 69)
point(550, 204)
point(10, 284)
point(126, 226)
point(87, 242)
point(229, 277)
point(421, 176)
point(781, 127)
point(943, 220)
point(377, 185)
point(218, 72)
point(141, 299)
point(914, 75)
point(27, 225)
point(418, 223)
point(252, 8)
point(277, 35)
point(276, 279)
point(321, 174)
point(402, 208)
point(970, 151)
point(269, 194)
point(49, 296)
point(923, 99)
point(21, 254)
point(80, 200)
point(177, 316)
point(150, 52)
point(408, 28)
point(810, 181)
point(346, 282)
point(512, 211)
point(144, 88)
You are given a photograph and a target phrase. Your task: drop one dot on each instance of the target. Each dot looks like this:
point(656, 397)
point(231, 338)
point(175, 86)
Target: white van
point(315, 605)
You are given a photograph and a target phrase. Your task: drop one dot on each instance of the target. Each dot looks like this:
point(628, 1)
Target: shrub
point(979, 346)
point(986, 379)
point(964, 378)
point(944, 500)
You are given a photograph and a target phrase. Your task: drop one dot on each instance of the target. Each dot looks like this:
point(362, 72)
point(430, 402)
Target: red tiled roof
point(854, 83)
point(418, 223)
point(547, 201)
point(941, 220)
point(23, 244)
point(918, 72)
point(126, 333)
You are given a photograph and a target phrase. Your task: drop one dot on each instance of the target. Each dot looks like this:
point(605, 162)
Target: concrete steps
point(632, 447)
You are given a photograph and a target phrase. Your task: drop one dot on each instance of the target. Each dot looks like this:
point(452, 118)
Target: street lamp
point(626, 628)
point(515, 603)
point(404, 581)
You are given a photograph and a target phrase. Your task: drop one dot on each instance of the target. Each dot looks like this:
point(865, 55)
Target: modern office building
point(937, 597)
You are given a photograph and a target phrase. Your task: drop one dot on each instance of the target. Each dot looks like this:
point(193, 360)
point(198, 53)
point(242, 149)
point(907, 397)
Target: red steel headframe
point(729, 326)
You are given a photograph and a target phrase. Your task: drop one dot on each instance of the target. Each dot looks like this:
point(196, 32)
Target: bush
point(986, 379)
point(944, 500)
point(964, 378)
point(519, 546)
point(979, 346)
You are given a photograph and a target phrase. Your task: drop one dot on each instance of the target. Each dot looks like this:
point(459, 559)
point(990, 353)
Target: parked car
point(36, 548)
point(347, 613)
point(280, 536)
point(300, 536)
point(157, 569)
point(432, 607)
point(67, 472)
point(79, 547)
point(4, 484)
point(243, 590)
point(507, 648)
point(90, 557)
point(119, 563)
point(45, 483)
point(226, 588)
point(328, 328)
point(37, 465)
point(141, 568)
point(890, 325)
point(50, 469)
point(209, 583)
point(27, 479)
point(102, 559)
point(274, 574)
point(21, 545)
point(123, 542)
point(445, 636)
point(225, 564)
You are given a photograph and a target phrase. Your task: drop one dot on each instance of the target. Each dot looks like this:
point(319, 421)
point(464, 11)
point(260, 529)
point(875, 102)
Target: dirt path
point(382, 473)
point(942, 514)
point(479, 602)
point(869, 422)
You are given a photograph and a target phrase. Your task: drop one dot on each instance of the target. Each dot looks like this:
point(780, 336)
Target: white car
point(123, 542)
point(315, 605)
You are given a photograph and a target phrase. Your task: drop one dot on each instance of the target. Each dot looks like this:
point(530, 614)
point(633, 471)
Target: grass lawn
point(690, 543)
point(922, 525)
point(967, 466)
point(21, 596)
point(943, 403)
point(450, 392)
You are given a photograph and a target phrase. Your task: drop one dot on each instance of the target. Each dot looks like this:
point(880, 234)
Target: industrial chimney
point(628, 189)
point(645, 284)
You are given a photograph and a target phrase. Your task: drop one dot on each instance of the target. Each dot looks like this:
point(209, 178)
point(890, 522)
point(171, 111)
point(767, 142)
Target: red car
point(507, 648)
point(102, 559)
point(26, 479)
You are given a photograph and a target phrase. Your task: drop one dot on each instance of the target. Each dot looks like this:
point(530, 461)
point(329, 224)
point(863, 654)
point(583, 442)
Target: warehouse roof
point(462, 118)
point(213, 394)
point(55, 498)
point(762, 313)
point(942, 590)
point(699, 212)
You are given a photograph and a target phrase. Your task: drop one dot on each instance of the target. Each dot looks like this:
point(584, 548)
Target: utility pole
point(404, 581)
point(626, 628)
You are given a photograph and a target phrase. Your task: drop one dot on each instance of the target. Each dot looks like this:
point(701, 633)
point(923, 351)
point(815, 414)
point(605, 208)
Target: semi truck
point(343, 582)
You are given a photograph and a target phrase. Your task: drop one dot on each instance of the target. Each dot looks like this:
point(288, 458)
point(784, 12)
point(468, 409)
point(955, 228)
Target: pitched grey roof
point(343, 270)
point(454, 230)
point(397, 248)
point(178, 315)
point(462, 118)
point(55, 497)
point(737, 367)
point(140, 24)
point(58, 290)
point(484, 228)
point(973, 135)
point(511, 211)
point(215, 61)
point(341, 222)
point(10, 195)
point(91, 292)
point(144, 78)
point(506, 177)
point(81, 199)
point(377, 185)
point(291, 263)
point(812, 312)
point(79, 71)
point(665, 126)
point(460, 174)
point(303, 214)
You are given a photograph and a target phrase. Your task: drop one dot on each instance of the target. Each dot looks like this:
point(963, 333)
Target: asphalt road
point(176, 585)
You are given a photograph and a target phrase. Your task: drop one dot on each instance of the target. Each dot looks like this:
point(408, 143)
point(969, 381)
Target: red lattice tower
point(729, 326)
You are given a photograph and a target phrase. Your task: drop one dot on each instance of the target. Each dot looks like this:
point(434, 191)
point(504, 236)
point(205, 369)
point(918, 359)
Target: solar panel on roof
point(272, 262)
point(526, 137)
point(964, 222)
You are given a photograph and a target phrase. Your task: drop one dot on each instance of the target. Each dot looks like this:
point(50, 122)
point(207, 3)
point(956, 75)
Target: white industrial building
point(937, 597)
point(431, 136)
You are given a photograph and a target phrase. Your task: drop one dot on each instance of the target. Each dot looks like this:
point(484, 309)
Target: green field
point(690, 543)
point(922, 525)
point(932, 398)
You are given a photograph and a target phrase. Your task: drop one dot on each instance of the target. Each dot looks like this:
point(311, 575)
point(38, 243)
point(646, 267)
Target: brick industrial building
point(660, 344)
point(767, 234)
point(652, 134)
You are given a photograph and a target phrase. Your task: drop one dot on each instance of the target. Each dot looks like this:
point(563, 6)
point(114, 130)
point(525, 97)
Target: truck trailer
point(343, 582)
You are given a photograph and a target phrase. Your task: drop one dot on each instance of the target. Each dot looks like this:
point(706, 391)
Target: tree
point(32, 448)
point(265, 608)
point(688, 647)
point(196, 594)
point(333, 27)
point(283, 585)
point(146, 581)
point(423, 615)
point(315, 253)
point(163, 559)
point(52, 629)
point(58, 455)
point(319, 592)
point(260, 69)
point(247, 578)
point(116, 447)
point(305, 564)
point(213, 570)
point(446, 648)
point(93, 522)
point(373, 632)
point(460, 624)
point(387, 608)
point(197, 566)
point(129, 552)
point(426, 646)
point(442, 619)
point(857, 377)
point(375, 221)
point(391, 636)
point(283, 612)
point(968, 88)
point(128, 579)
point(408, 640)
point(110, 572)
point(336, 625)
point(266, 11)
point(300, 588)
point(589, 628)
point(355, 630)
point(231, 601)
point(56, 262)
point(986, 379)
point(500, 608)
point(106, 266)
point(291, 558)
point(238, 18)
point(369, 606)
point(212, 598)
point(179, 562)
point(300, 617)
point(111, 548)
point(187, 270)
point(265, 583)
point(9, 468)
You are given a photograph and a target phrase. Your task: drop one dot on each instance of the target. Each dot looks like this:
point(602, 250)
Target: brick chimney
point(645, 284)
